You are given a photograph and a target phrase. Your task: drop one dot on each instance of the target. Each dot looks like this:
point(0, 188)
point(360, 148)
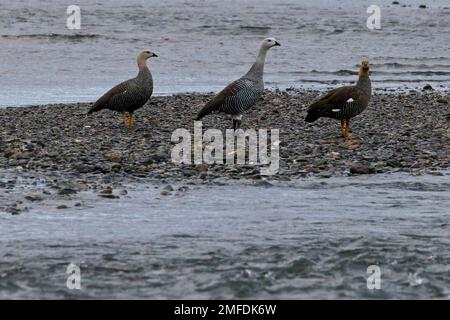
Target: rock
point(34, 197)
point(326, 174)
point(107, 190)
point(162, 154)
point(123, 192)
point(13, 210)
point(63, 206)
point(16, 208)
point(83, 168)
point(428, 87)
point(148, 161)
point(114, 156)
point(12, 153)
point(435, 173)
point(422, 6)
point(168, 188)
point(116, 167)
point(201, 167)
point(358, 168)
point(66, 191)
point(443, 101)
point(165, 193)
point(263, 183)
point(395, 2)
point(109, 196)
point(394, 163)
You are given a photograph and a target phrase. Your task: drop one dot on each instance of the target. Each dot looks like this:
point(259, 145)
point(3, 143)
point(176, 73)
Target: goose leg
point(347, 128)
point(236, 124)
point(343, 128)
point(131, 120)
point(125, 119)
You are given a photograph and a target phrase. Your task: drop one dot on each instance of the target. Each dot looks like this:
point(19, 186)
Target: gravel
point(398, 132)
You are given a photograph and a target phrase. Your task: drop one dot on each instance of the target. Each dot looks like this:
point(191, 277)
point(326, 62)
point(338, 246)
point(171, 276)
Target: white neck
point(261, 57)
point(258, 67)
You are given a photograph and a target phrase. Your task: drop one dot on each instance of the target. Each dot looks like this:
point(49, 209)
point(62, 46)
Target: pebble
point(358, 168)
point(66, 191)
point(109, 196)
point(106, 191)
point(168, 188)
point(34, 197)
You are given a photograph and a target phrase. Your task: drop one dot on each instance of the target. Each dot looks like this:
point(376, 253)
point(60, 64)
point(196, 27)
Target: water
point(313, 238)
point(309, 239)
point(203, 45)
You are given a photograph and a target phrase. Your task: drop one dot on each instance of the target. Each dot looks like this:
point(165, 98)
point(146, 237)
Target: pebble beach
point(71, 151)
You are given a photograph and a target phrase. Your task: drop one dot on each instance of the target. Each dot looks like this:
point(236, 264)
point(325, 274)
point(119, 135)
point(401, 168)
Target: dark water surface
point(203, 45)
point(313, 238)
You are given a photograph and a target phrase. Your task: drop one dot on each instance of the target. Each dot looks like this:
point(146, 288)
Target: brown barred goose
point(129, 95)
point(344, 103)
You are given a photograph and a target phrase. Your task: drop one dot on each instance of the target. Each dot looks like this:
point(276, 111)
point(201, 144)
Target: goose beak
point(154, 55)
point(277, 43)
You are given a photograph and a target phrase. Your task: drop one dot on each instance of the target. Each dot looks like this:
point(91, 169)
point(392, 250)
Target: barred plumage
point(239, 96)
point(248, 92)
point(344, 103)
point(129, 95)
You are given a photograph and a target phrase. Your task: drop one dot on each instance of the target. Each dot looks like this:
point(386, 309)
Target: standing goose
point(129, 95)
point(344, 103)
point(242, 94)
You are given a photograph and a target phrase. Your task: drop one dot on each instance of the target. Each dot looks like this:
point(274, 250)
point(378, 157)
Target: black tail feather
point(205, 111)
point(312, 116)
point(95, 108)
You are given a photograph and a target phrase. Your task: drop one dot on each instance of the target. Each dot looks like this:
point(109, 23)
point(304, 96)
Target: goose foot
point(236, 124)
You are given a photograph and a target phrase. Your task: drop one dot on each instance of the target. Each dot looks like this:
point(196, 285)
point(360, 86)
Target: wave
point(399, 80)
point(264, 28)
point(345, 72)
point(410, 65)
point(55, 36)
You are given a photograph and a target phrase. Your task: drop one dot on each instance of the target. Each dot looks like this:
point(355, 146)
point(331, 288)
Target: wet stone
point(361, 169)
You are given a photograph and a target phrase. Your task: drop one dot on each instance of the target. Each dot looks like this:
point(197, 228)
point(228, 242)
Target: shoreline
point(397, 133)
point(441, 89)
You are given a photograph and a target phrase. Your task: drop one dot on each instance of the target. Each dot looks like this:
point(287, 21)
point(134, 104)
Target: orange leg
point(343, 130)
point(131, 124)
point(125, 122)
point(347, 128)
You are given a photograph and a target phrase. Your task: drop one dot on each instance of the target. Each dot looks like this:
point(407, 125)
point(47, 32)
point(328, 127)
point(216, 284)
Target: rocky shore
point(69, 151)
